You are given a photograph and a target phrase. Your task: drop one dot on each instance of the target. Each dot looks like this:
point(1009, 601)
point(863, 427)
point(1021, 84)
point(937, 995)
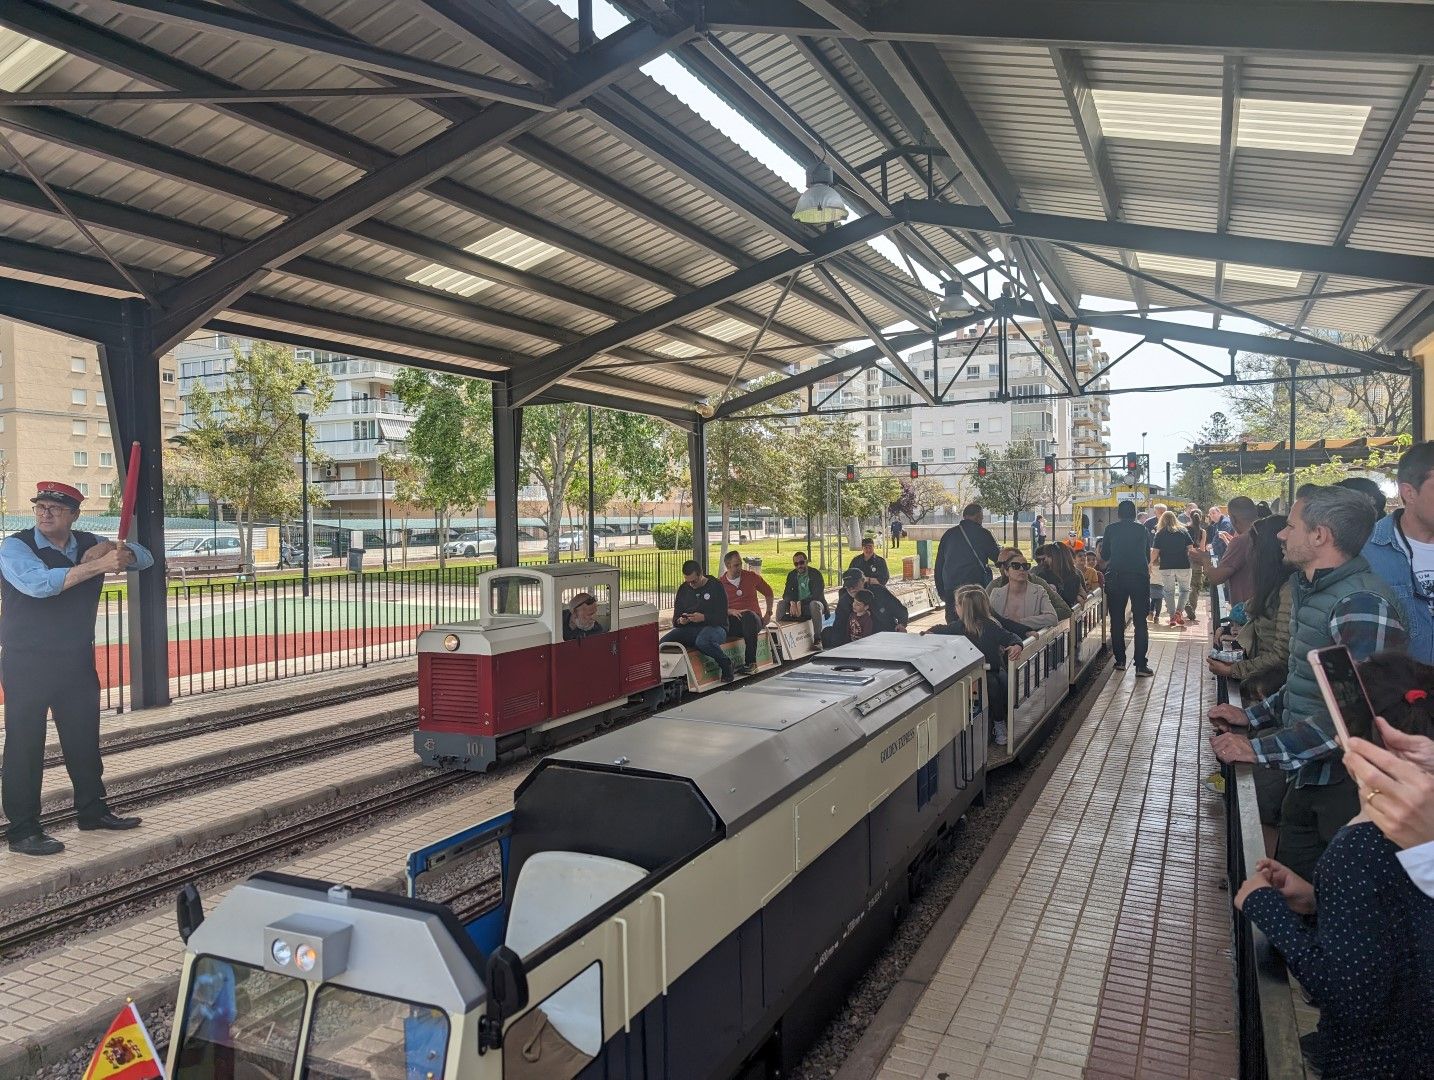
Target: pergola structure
point(488, 187)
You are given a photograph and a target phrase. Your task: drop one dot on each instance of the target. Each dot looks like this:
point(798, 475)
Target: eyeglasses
point(50, 508)
point(1018, 566)
point(799, 563)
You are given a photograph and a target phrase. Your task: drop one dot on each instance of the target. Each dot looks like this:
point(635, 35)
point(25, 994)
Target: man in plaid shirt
point(1338, 600)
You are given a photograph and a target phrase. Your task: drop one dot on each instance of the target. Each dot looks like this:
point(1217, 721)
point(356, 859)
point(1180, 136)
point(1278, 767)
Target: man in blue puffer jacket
point(1401, 550)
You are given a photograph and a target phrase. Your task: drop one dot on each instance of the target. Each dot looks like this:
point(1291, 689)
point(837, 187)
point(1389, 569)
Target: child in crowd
point(861, 624)
point(1367, 961)
point(1157, 598)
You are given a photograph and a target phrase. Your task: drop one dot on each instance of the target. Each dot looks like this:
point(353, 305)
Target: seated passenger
point(872, 566)
point(887, 612)
point(804, 596)
point(699, 616)
point(582, 618)
point(979, 625)
point(1090, 570)
point(859, 622)
point(1367, 960)
point(1022, 600)
point(745, 618)
point(1006, 555)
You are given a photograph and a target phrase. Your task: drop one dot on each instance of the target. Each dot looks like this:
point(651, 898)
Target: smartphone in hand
point(1344, 694)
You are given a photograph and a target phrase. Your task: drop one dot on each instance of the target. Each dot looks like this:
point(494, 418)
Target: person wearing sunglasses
point(804, 596)
point(1022, 601)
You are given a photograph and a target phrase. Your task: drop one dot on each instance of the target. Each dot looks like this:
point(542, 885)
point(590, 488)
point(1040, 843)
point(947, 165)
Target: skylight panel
point(1203, 268)
point(23, 60)
point(507, 246)
point(1308, 127)
point(729, 330)
point(678, 349)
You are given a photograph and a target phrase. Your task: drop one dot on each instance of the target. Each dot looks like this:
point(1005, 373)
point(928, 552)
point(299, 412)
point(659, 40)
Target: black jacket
point(886, 611)
point(959, 562)
point(872, 567)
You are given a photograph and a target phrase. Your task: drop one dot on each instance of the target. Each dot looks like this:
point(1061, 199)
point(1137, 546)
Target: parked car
point(472, 544)
point(576, 541)
point(182, 547)
point(204, 546)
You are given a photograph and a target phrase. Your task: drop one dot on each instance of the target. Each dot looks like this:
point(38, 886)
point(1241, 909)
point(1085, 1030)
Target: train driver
point(699, 617)
point(582, 618)
point(804, 596)
point(745, 616)
point(50, 583)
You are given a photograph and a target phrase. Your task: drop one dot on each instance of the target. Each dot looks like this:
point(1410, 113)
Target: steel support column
point(697, 471)
point(507, 439)
point(131, 377)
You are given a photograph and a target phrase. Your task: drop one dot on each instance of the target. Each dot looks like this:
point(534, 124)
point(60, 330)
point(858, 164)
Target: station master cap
point(56, 492)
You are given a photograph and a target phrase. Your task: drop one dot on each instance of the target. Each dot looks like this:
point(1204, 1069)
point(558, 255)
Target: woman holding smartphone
point(1368, 959)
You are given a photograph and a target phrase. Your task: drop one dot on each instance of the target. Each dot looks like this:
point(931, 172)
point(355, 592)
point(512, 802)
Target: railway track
point(23, 931)
point(191, 781)
point(273, 711)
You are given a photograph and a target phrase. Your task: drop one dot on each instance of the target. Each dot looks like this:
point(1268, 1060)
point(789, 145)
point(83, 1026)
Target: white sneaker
point(999, 727)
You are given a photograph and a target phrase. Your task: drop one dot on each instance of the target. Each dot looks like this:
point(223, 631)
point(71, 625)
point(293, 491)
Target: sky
point(1168, 420)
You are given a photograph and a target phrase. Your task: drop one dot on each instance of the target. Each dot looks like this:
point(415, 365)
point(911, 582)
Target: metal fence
point(225, 634)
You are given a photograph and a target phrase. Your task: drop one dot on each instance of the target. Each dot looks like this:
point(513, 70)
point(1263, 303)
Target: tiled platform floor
point(1100, 947)
point(63, 997)
point(124, 767)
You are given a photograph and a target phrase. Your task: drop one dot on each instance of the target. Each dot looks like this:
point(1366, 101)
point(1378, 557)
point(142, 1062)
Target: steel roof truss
point(903, 370)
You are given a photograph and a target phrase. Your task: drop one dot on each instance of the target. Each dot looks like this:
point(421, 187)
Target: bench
point(183, 566)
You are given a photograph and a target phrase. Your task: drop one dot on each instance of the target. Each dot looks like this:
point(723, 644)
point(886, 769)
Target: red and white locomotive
point(508, 680)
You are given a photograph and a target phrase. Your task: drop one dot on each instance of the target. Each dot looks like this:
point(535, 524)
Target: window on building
point(928, 454)
point(99, 397)
point(107, 459)
point(948, 427)
point(169, 404)
point(973, 372)
point(79, 427)
point(84, 488)
point(99, 368)
point(948, 453)
point(993, 424)
point(104, 426)
point(82, 459)
point(77, 363)
point(106, 490)
point(994, 370)
point(973, 427)
point(167, 376)
point(928, 427)
point(78, 397)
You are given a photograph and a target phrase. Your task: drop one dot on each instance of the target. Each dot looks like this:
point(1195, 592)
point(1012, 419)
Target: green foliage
point(866, 498)
point(1197, 480)
point(672, 535)
point(1015, 481)
point(925, 495)
point(244, 439)
point(817, 443)
point(1271, 485)
point(449, 449)
point(747, 460)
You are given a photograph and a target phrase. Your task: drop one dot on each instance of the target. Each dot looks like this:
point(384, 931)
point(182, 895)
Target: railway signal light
point(1132, 462)
point(850, 473)
point(915, 470)
point(1050, 464)
point(981, 468)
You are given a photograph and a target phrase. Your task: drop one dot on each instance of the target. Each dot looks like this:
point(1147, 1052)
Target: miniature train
point(508, 681)
point(687, 896)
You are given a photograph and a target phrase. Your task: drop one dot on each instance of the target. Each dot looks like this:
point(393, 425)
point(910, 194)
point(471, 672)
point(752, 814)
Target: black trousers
point(1309, 818)
point(36, 685)
point(1124, 588)
point(746, 626)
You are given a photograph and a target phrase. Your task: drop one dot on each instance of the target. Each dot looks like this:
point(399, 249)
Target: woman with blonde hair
point(1170, 554)
point(978, 624)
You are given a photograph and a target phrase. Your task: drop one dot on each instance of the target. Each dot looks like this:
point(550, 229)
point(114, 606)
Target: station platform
point(1097, 942)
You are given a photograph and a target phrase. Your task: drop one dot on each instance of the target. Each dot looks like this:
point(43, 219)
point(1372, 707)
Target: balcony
point(367, 407)
point(353, 489)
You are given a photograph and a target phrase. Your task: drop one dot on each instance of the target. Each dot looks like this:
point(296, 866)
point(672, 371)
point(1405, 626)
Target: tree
point(1271, 486)
point(449, 447)
point(244, 439)
point(868, 496)
point(1015, 481)
point(816, 444)
point(747, 463)
point(1197, 480)
point(925, 495)
point(1339, 403)
point(653, 465)
point(406, 476)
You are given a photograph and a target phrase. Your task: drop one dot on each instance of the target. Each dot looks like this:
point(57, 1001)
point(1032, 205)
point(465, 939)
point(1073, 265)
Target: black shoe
point(1144, 673)
point(727, 675)
point(746, 669)
point(108, 820)
point(36, 844)
point(1120, 665)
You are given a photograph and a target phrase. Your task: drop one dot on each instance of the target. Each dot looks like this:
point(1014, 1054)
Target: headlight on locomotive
point(450, 642)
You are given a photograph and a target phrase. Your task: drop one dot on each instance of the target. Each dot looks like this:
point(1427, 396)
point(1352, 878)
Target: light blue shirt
point(24, 569)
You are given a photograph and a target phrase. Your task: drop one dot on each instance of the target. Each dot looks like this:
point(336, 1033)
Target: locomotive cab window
point(515, 595)
point(358, 1035)
point(587, 610)
point(239, 1021)
point(560, 1036)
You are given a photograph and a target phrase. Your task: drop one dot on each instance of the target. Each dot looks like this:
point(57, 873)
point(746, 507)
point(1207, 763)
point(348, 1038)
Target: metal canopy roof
point(455, 183)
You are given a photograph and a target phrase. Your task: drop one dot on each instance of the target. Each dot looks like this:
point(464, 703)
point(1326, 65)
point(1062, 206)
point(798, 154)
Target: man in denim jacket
point(1401, 549)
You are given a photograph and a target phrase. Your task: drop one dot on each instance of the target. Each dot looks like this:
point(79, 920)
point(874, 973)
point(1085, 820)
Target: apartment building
point(55, 420)
point(863, 392)
point(1076, 431)
point(364, 407)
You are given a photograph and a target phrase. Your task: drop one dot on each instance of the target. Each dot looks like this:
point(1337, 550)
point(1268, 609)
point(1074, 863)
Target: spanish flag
point(126, 1052)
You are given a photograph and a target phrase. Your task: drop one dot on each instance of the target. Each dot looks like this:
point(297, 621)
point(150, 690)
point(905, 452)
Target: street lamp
point(381, 445)
point(303, 408)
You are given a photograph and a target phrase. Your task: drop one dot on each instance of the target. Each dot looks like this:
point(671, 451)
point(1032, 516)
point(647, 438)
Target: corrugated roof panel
point(1400, 216)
